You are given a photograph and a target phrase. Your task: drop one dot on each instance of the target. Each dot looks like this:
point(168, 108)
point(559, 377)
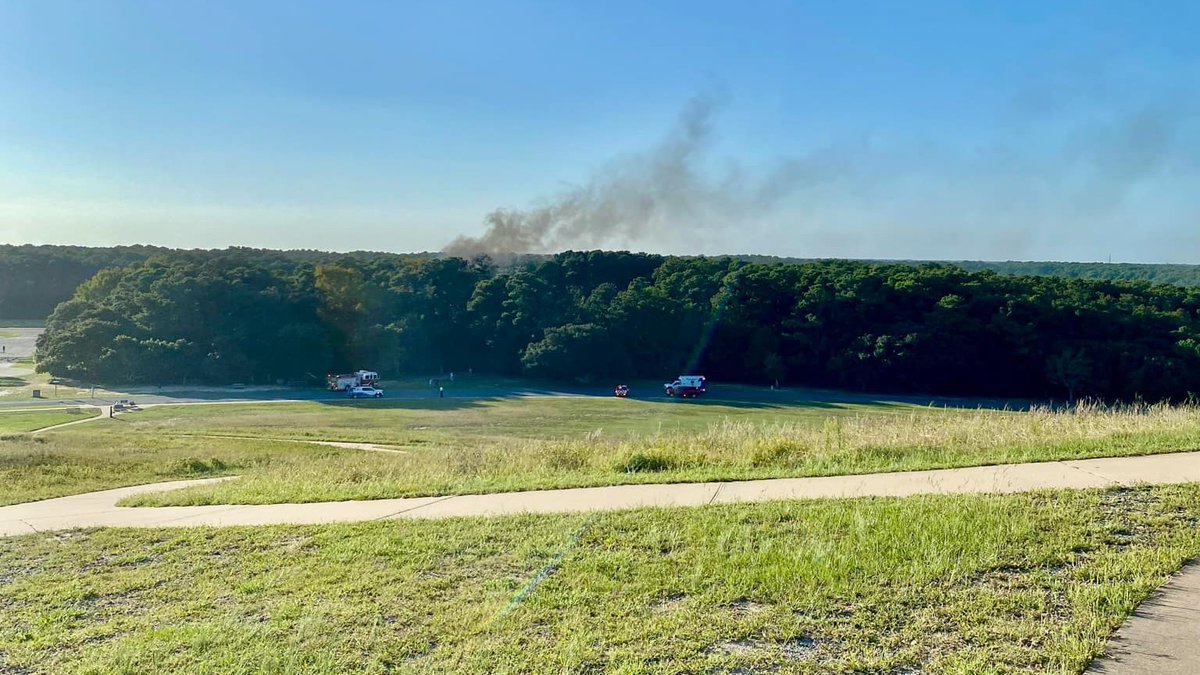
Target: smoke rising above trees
point(663, 192)
point(1038, 178)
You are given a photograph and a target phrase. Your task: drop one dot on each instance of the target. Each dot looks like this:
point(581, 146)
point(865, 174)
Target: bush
point(196, 465)
point(772, 453)
point(640, 462)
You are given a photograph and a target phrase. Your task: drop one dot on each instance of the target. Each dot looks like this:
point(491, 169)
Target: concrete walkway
point(103, 414)
point(98, 509)
point(1162, 637)
point(345, 445)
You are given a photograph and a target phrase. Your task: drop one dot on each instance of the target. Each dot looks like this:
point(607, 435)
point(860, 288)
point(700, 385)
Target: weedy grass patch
point(935, 584)
point(724, 450)
point(530, 444)
point(31, 420)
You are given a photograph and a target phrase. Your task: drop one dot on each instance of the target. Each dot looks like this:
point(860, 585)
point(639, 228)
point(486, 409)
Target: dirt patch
point(737, 647)
point(746, 607)
point(799, 648)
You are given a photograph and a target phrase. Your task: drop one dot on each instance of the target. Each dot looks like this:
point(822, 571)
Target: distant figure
point(431, 381)
point(452, 376)
point(441, 392)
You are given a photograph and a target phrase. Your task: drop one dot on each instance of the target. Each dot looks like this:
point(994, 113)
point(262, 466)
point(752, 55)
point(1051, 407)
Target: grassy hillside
point(938, 584)
point(464, 446)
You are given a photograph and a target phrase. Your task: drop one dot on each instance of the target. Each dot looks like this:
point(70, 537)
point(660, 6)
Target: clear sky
point(983, 130)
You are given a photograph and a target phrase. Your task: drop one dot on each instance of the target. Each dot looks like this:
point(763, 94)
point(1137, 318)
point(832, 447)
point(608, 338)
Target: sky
point(920, 130)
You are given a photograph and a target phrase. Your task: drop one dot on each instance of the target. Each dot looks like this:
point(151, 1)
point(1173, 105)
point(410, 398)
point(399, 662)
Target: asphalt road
point(22, 345)
point(718, 395)
point(15, 347)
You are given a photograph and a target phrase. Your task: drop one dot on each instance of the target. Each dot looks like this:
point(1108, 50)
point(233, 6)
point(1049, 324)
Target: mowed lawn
point(936, 584)
point(18, 421)
point(401, 421)
point(463, 446)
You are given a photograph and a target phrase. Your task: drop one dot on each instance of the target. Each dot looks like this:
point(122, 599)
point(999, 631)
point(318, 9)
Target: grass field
point(17, 421)
point(18, 383)
point(981, 584)
point(469, 446)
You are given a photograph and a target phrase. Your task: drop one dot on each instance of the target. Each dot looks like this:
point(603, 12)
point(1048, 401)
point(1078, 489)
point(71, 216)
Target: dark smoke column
point(659, 194)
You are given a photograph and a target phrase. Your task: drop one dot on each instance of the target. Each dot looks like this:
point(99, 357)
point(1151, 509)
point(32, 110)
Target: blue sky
point(1021, 130)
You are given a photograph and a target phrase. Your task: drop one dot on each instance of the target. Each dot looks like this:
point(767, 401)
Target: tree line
point(35, 279)
point(607, 316)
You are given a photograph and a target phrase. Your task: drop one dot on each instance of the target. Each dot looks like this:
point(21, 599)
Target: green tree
point(1070, 369)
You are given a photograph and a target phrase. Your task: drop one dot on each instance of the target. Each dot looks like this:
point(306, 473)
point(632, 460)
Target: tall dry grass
point(728, 450)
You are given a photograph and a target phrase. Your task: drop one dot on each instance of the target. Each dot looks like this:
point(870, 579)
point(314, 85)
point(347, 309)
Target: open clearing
point(16, 365)
point(457, 446)
point(109, 508)
point(29, 420)
point(968, 584)
point(933, 584)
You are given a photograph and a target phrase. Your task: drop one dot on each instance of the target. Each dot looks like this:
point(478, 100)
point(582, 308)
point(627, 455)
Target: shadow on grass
point(398, 403)
point(474, 392)
point(12, 382)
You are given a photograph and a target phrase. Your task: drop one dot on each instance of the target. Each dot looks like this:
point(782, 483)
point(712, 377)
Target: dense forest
point(1155, 273)
point(35, 279)
point(237, 317)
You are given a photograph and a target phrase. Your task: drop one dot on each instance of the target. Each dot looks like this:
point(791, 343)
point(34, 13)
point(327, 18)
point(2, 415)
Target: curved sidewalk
point(1162, 636)
point(98, 509)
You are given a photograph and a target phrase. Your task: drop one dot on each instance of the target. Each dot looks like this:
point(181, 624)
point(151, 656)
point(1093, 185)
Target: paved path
point(103, 413)
point(348, 445)
point(1162, 637)
point(18, 344)
point(98, 509)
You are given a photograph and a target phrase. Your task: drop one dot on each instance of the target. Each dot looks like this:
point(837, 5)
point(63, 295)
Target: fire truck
point(359, 378)
point(686, 386)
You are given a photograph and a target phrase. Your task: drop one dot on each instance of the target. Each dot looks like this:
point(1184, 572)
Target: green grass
point(939, 584)
point(19, 386)
point(57, 464)
point(31, 420)
point(463, 447)
point(497, 448)
point(454, 419)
